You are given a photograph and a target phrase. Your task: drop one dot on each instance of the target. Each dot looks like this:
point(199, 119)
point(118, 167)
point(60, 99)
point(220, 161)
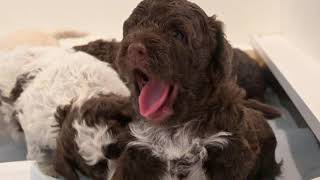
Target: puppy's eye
point(178, 35)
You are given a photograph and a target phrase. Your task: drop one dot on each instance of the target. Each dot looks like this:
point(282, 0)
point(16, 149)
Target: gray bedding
point(297, 146)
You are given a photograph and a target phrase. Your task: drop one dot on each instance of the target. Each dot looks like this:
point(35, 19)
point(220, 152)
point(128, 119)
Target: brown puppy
point(247, 71)
point(195, 122)
point(249, 75)
point(87, 140)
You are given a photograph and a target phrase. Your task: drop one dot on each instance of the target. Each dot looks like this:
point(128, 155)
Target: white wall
point(300, 24)
point(98, 16)
point(242, 17)
point(297, 19)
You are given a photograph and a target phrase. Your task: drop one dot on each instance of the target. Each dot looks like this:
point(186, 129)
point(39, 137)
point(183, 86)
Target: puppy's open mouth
point(156, 97)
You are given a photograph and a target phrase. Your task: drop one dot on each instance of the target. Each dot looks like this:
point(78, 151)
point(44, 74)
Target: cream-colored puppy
point(31, 38)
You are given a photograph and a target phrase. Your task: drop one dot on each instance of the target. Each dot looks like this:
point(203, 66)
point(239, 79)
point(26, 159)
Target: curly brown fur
point(249, 74)
point(110, 110)
point(268, 111)
point(174, 42)
point(251, 77)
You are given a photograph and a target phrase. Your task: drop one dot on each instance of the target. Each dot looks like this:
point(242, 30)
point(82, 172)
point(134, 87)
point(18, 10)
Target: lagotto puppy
point(248, 73)
point(87, 140)
point(196, 123)
point(54, 78)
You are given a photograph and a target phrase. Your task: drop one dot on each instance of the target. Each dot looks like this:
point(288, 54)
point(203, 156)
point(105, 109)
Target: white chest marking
point(91, 140)
point(183, 152)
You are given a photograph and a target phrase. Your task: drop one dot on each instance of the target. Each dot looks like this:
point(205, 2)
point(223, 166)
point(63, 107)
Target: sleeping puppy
point(194, 119)
point(87, 140)
point(54, 78)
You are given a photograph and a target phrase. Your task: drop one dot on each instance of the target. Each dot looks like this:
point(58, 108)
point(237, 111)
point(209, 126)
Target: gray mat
point(11, 150)
point(297, 147)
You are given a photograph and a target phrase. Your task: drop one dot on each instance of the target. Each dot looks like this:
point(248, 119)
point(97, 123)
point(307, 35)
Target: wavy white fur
point(11, 64)
point(91, 140)
point(181, 145)
point(24, 60)
point(63, 76)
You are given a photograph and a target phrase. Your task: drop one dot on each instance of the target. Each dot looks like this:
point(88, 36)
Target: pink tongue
point(152, 96)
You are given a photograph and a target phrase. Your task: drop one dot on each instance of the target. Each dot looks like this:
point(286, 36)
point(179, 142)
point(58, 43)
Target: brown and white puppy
point(53, 78)
point(195, 122)
point(88, 136)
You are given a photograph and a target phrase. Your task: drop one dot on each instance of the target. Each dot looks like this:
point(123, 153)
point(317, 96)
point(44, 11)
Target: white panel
point(296, 72)
point(243, 18)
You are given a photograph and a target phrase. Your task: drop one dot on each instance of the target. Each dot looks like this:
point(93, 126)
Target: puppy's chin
point(155, 97)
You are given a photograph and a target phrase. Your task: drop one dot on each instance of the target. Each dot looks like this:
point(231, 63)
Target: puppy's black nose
point(137, 51)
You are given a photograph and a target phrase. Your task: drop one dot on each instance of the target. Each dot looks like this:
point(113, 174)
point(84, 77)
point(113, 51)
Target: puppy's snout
point(137, 51)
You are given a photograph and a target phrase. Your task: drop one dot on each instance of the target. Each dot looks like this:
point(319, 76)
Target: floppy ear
point(103, 50)
point(61, 114)
point(124, 113)
point(222, 54)
point(127, 110)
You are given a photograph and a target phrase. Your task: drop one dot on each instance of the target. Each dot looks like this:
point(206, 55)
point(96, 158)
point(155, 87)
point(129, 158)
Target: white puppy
point(57, 76)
